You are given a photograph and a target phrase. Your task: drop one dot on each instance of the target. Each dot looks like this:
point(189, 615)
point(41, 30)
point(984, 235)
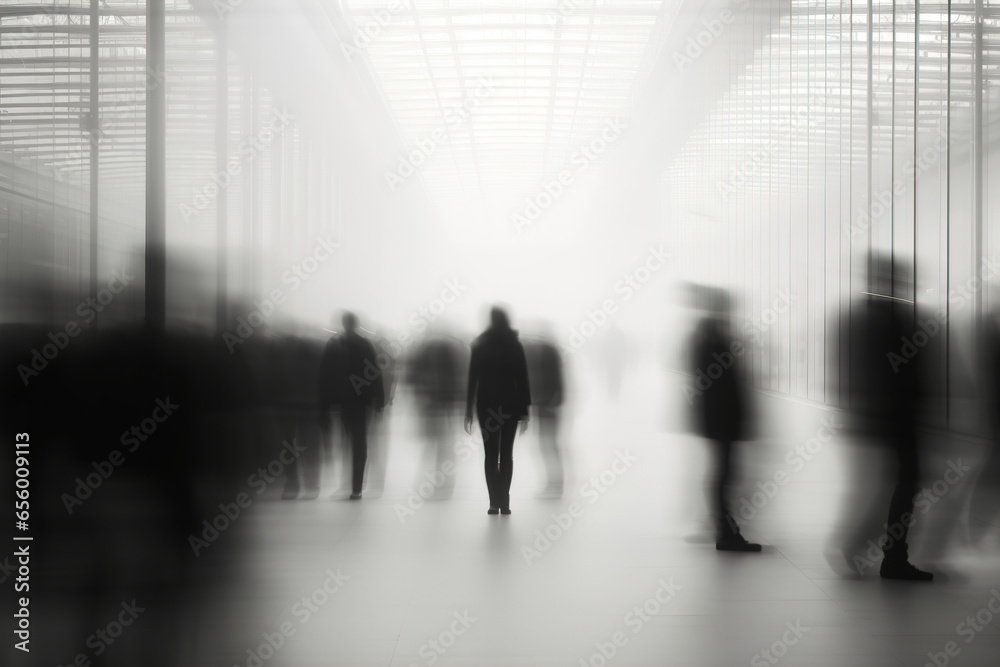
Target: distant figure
point(720, 408)
point(437, 375)
point(885, 398)
point(498, 387)
point(351, 377)
point(545, 376)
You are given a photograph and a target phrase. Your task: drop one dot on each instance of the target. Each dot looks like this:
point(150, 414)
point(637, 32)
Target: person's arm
point(378, 397)
point(557, 367)
point(524, 388)
point(470, 395)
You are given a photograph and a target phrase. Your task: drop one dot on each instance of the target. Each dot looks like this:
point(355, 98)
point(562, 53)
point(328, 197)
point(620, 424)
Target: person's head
point(350, 322)
point(720, 303)
point(498, 318)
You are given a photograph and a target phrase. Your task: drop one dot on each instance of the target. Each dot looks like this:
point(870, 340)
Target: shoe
point(356, 496)
point(493, 510)
point(504, 510)
point(903, 570)
point(736, 543)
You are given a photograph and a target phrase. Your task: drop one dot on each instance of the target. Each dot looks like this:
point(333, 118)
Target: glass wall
point(860, 129)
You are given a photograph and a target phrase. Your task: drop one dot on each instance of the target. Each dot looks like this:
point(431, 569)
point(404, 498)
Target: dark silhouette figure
point(499, 390)
point(437, 373)
point(545, 376)
point(885, 396)
point(720, 408)
point(351, 377)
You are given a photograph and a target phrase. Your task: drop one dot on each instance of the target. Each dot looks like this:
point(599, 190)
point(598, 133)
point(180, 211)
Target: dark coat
point(350, 373)
point(720, 401)
point(498, 375)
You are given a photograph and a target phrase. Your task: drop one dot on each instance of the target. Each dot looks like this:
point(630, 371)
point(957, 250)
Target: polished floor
point(620, 570)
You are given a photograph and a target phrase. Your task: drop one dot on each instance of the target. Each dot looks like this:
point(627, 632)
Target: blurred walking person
point(352, 377)
point(436, 374)
point(545, 376)
point(886, 393)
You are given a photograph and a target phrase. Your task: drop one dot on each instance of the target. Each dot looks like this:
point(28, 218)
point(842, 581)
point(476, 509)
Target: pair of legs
point(498, 443)
point(728, 536)
point(895, 560)
point(438, 448)
point(307, 465)
point(355, 419)
point(725, 522)
point(548, 433)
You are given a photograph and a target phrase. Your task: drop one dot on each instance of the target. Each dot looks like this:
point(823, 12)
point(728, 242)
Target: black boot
point(901, 569)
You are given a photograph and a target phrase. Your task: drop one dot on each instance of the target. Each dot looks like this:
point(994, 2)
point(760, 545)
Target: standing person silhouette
point(352, 377)
point(721, 410)
point(498, 388)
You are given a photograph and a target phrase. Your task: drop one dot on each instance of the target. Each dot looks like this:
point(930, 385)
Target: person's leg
point(724, 520)
point(548, 424)
point(377, 440)
point(508, 431)
point(355, 421)
point(445, 457)
point(729, 536)
point(491, 446)
point(901, 505)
